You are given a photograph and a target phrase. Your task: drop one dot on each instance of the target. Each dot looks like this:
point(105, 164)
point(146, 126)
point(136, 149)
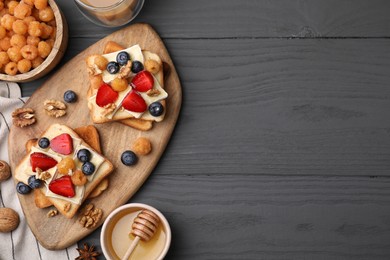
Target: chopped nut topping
point(90, 216)
point(23, 117)
point(52, 213)
point(54, 108)
point(109, 108)
point(125, 70)
point(67, 207)
point(94, 70)
point(42, 175)
point(153, 92)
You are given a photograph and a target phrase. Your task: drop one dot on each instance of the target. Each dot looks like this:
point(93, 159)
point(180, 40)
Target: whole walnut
point(5, 171)
point(9, 220)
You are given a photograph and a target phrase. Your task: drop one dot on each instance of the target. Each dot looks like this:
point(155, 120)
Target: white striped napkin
point(21, 243)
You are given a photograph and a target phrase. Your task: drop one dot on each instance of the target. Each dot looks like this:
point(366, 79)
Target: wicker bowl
point(55, 55)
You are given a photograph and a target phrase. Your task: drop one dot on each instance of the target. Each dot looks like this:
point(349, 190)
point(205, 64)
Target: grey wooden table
point(282, 148)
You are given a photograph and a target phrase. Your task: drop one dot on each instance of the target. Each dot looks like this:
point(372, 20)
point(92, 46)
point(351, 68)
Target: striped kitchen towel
point(19, 244)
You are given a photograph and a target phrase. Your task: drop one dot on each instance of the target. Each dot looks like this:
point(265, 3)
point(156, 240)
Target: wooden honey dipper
point(144, 227)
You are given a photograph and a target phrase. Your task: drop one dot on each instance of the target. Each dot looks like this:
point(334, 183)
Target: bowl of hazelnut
point(33, 39)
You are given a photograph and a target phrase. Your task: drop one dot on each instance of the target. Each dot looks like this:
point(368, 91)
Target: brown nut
point(23, 117)
point(125, 70)
point(142, 146)
point(5, 171)
point(9, 220)
point(90, 216)
point(153, 92)
point(52, 213)
point(54, 108)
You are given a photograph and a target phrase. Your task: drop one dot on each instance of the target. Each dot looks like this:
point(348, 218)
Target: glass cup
point(110, 13)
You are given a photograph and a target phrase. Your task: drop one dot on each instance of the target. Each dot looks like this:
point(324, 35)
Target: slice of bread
point(67, 208)
point(90, 135)
point(146, 121)
point(136, 123)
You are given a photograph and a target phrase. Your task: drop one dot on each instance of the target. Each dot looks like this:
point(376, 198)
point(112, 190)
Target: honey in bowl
point(118, 238)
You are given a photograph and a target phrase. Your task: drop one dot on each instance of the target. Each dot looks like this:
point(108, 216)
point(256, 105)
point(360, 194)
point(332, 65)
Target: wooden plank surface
point(303, 107)
point(291, 177)
point(269, 217)
point(252, 18)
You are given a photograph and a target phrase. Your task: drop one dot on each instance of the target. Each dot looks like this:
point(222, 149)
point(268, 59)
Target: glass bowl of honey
point(118, 234)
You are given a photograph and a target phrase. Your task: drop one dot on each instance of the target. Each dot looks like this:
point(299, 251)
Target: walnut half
point(54, 108)
point(23, 117)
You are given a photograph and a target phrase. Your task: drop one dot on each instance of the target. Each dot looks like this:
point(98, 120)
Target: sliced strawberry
point(63, 186)
point(106, 95)
point(41, 161)
point(143, 81)
point(134, 102)
point(62, 144)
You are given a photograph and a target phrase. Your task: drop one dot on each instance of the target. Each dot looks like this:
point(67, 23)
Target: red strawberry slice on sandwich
point(134, 102)
point(41, 161)
point(63, 186)
point(62, 144)
point(143, 81)
point(106, 95)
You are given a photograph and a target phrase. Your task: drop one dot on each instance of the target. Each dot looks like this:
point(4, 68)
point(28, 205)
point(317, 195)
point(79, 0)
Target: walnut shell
point(9, 220)
point(5, 171)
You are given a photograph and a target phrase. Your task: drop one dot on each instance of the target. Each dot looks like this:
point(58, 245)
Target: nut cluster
point(90, 216)
point(42, 175)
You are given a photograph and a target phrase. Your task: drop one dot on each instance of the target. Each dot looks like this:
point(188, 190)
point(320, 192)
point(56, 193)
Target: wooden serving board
point(59, 232)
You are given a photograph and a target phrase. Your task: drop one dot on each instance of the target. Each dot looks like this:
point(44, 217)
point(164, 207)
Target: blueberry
point(70, 96)
point(84, 155)
point(88, 168)
point(34, 183)
point(44, 143)
point(137, 66)
point(122, 58)
point(156, 109)
point(112, 67)
point(23, 188)
point(128, 158)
